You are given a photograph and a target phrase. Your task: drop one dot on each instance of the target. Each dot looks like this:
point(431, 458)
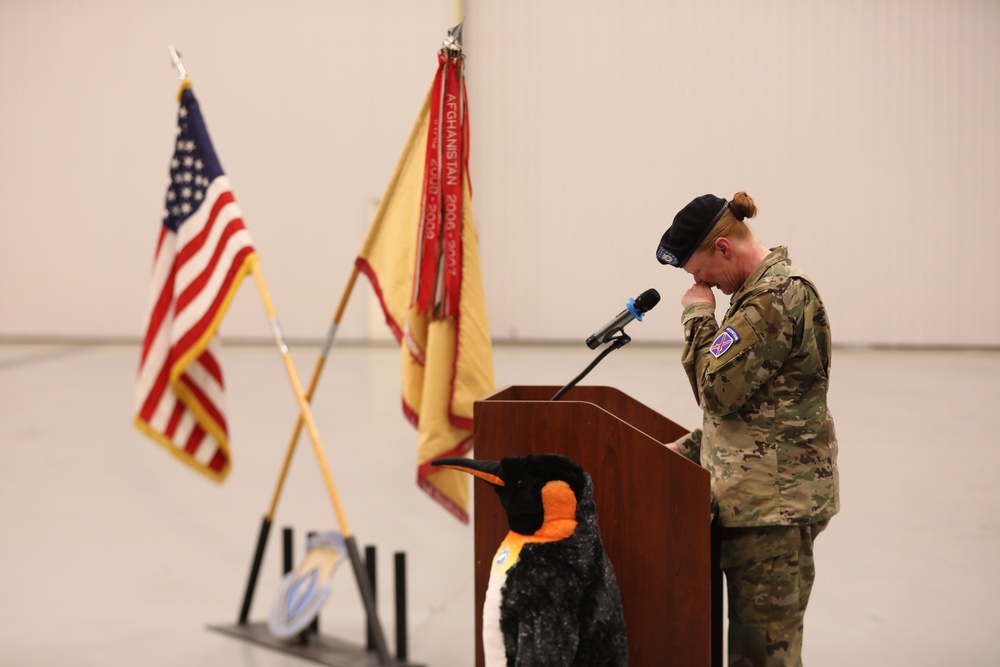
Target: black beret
point(690, 227)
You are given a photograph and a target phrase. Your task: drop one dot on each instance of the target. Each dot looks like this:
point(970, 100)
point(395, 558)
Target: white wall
point(865, 130)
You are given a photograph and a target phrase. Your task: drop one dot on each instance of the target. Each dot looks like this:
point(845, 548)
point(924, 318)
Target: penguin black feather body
point(559, 604)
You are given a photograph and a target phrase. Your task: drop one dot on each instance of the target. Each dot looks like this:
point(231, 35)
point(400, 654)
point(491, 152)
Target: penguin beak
point(489, 471)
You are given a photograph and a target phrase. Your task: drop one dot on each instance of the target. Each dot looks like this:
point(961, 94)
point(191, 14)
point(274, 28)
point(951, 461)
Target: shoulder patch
point(724, 341)
point(736, 337)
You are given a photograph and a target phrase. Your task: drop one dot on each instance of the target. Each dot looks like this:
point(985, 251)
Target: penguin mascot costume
point(552, 598)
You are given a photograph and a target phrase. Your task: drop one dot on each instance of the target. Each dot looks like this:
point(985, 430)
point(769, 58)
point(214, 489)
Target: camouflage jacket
point(761, 379)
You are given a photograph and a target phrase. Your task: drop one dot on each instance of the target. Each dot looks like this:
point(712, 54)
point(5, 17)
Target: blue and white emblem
point(304, 590)
point(724, 341)
point(666, 257)
point(502, 556)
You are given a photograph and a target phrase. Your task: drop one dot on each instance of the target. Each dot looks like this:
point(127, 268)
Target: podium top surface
point(609, 399)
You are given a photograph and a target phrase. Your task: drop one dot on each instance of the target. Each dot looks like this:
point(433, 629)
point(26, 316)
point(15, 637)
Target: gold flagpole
point(361, 574)
point(317, 371)
point(305, 412)
point(265, 527)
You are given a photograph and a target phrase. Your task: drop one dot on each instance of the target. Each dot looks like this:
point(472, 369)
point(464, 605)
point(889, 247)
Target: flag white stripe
point(155, 359)
point(160, 418)
point(162, 265)
point(195, 225)
point(185, 425)
point(156, 355)
point(204, 380)
point(206, 450)
point(195, 310)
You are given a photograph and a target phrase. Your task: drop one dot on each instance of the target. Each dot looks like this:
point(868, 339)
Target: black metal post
point(265, 529)
point(314, 626)
point(286, 551)
point(370, 568)
point(401, 631)
point(368, 597)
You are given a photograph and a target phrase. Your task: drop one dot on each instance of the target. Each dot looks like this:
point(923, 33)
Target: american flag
point(203, 253)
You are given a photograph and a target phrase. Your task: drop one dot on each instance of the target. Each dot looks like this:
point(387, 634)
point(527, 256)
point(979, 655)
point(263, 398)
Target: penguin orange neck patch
point(559, 503)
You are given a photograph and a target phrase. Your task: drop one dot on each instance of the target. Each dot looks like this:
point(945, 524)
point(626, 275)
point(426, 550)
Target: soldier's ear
point(724, 247)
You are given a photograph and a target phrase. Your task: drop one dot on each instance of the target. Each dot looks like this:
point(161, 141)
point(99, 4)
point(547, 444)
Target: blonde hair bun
point(743, 206)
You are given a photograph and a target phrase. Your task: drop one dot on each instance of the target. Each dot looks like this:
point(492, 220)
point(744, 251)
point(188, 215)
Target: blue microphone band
point(631, 309)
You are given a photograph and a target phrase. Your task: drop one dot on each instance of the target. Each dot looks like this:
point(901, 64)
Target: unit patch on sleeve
point(724, 341)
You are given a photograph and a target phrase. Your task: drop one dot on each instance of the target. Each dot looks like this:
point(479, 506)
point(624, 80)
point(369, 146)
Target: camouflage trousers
point(769, 576)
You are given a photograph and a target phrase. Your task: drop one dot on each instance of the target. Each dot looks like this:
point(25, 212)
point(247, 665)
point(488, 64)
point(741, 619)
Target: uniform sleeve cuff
point(697, 310)
point(690, 446)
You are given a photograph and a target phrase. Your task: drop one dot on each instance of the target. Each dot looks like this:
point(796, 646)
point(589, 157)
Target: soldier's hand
point(698, 293)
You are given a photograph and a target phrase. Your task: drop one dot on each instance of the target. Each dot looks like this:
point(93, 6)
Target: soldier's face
point(716, 269)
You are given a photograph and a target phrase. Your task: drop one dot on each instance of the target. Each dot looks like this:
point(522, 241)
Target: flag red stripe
point(194, 288)
point(194, 440)
point(152, 400)
point(219, 461)
point(164, 230)
point(211, 364)
point(192, 247)
point(160, 310)
point(204, 401)
point(175, 419)
point(195, 333)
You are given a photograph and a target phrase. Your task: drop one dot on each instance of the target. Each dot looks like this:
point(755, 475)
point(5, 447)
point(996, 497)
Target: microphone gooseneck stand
point(616, 342)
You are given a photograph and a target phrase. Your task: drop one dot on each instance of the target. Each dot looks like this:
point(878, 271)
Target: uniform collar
point(778, 254)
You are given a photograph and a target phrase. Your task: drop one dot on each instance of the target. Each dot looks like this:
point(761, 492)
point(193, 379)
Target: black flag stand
point(326, 649)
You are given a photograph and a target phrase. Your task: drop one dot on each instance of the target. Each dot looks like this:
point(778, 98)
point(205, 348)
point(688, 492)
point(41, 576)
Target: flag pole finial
point(175, 56)
point(453, 42)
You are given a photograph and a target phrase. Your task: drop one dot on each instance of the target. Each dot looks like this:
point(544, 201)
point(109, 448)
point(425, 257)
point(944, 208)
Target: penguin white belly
point(494, 653)
point(493, 648)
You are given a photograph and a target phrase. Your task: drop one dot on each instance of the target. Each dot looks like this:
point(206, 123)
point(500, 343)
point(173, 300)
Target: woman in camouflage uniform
point(767, 438)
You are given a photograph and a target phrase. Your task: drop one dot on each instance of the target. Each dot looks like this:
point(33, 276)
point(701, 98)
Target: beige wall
point(866, 130)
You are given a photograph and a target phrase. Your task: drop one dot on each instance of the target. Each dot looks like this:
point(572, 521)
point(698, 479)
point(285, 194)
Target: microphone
point(633, 311)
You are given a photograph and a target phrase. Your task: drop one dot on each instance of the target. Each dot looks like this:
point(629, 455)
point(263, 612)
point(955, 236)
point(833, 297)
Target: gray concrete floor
point(113, 554)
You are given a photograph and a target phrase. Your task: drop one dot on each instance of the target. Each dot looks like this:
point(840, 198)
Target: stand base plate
point(323, 649)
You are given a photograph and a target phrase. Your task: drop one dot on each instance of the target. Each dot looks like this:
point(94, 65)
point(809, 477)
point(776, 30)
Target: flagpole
point(175, 56)
point(361, 574)
point(317, 371)
point(265, 528)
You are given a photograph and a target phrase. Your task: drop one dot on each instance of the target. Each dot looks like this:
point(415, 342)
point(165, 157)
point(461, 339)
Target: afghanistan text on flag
point(203, 253)
point(422, 258)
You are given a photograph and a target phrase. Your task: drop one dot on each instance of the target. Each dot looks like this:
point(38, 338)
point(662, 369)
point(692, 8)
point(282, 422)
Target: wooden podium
point(653, 508)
